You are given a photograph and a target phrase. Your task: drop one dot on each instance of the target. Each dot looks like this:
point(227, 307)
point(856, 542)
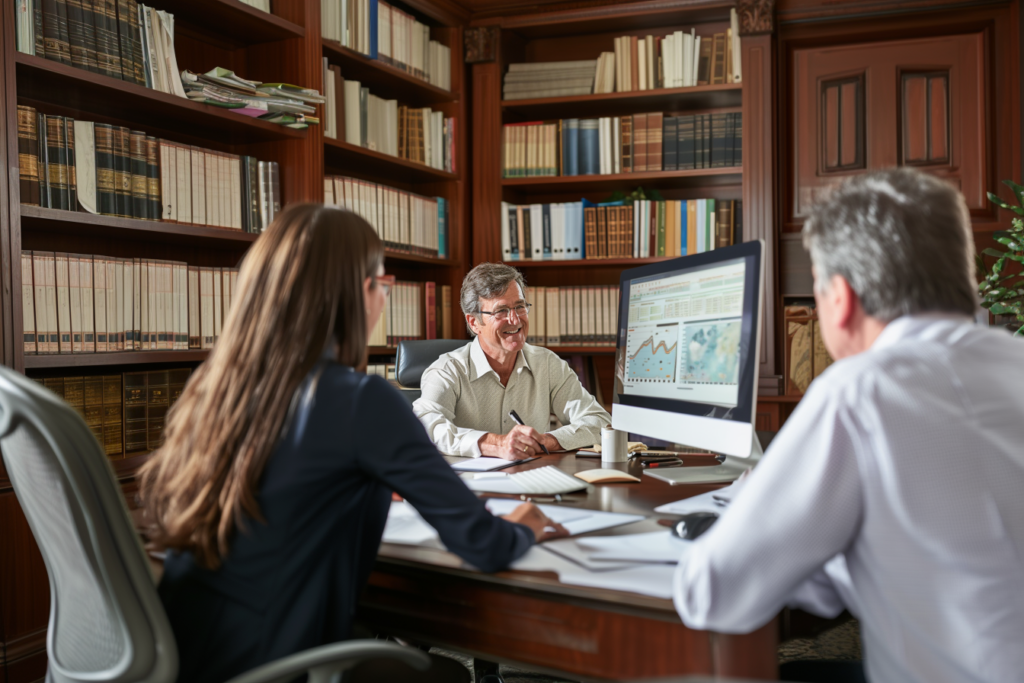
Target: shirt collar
point(922, 327)
point(481, 366)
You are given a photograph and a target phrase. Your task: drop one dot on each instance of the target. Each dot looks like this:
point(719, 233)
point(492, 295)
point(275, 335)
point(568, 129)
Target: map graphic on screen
point(712, 352)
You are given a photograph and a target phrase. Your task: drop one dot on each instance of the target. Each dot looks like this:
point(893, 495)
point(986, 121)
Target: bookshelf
point(341, 158)
point(584, 33)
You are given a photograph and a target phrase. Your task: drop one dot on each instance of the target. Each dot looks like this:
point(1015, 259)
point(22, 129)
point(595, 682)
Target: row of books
point(414, 310)
point(80, 303)
point(406, 222)
point(361, 118)
point(117, 38)
point(110, 170)
point(573, 316)
point(637, 229)
point(622, 144)
point(674, 60)
point(282, 103)
point(125, 412)
point(386, 33)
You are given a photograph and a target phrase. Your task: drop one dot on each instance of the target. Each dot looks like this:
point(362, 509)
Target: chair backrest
point(107, 624)
point(415, 356)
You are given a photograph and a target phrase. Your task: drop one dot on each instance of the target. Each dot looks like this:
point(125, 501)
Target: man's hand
point(521, 442)
point(543, 528)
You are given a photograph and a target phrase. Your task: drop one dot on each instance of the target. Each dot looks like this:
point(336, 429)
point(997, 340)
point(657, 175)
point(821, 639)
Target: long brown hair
point(300, 288)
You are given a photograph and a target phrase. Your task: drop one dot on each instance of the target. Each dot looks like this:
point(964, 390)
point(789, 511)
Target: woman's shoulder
point(336, 377)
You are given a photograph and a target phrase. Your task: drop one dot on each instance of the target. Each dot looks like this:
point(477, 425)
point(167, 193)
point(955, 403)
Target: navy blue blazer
point(291, 583)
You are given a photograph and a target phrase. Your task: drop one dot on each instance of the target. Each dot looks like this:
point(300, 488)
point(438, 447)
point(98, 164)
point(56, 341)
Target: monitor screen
point(688, 337)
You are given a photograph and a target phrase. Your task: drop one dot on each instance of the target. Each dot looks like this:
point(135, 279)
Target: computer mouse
point(691, 526)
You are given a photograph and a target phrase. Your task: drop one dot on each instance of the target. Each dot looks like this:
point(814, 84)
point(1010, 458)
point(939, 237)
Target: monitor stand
point(730, 469)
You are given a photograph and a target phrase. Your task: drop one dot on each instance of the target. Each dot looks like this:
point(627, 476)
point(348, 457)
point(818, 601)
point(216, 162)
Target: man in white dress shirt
point(467, 395)
point(895, 489)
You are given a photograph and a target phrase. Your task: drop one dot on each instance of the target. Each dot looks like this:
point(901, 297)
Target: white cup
point(613, 445)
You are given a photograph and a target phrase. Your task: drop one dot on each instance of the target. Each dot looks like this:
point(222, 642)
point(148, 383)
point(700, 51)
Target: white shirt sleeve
point(439, 387)
point(800, 508)
point(579, 412)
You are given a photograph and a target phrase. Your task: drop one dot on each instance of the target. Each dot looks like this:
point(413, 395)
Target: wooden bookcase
point(284, 46)
point(584, 33)
point(344, 159)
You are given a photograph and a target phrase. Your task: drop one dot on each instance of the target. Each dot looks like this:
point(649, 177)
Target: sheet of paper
point(705, 502)
point(645, 579)
point(576, 521)
point(655, 547)
point(406, 526)
point(483, 464)
point(493, 485)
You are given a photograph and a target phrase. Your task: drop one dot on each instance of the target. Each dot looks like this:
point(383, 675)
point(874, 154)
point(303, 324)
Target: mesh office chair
point(107, 624)
point(415, 356)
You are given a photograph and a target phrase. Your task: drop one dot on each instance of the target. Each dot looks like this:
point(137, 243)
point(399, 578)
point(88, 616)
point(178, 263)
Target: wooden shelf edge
point(426, 90)
point(416, 258)
point(639, 96)
point(38, 215)
point(621, 177)
point(588, 263)
point(78, 360)
point(105, 85)
point(426, 172)
point(582, 350)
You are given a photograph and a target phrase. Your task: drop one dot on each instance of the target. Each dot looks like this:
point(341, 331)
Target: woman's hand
point(543, 528)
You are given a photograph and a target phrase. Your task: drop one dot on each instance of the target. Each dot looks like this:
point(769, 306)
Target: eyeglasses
point(385, 282)
point(501, 314)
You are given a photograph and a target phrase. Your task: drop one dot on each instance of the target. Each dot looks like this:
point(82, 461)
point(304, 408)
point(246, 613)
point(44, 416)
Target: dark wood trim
point(50, 85)
point(759, 165)
point(566, 18)
point(72, 222)
point(343, 157)
point(384, 80)
point(592, 263)
point(611, 104)
point(392, 255)
point(232, 19)
point(806, 11)
point(22, 647)
point(83, 360)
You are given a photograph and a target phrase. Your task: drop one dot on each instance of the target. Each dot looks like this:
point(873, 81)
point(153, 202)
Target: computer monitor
point(687, 356)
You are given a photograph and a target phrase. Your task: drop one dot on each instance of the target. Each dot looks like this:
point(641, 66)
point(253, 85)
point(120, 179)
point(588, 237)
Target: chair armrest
point(323, 662)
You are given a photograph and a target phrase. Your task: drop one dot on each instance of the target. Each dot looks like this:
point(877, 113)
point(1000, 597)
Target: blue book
point(442, 228)
point(373, 29)
point(682, 228)
point(590, 147)
point(571, 147)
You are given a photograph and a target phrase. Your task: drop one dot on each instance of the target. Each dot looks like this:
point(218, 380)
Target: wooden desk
point(532, 620)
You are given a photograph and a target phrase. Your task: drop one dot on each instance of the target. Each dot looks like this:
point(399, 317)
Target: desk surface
point(534, 620)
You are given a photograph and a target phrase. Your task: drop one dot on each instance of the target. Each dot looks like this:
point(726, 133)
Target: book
point(28, 155)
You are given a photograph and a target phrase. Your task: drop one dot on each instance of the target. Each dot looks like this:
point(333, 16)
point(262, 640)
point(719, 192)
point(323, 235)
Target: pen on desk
point(664, 464)
point(519, 421)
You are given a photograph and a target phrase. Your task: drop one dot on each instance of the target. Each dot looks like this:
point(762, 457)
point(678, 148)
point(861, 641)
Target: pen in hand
point(519, 421)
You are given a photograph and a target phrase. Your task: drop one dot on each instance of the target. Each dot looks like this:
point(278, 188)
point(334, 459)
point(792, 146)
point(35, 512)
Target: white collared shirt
point(463, 399)
point(896, 489)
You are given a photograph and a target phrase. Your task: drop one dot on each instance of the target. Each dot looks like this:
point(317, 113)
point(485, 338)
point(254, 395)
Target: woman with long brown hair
point(273, 484)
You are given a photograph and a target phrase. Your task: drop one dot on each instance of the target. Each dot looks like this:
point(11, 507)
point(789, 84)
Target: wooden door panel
point(868, 106)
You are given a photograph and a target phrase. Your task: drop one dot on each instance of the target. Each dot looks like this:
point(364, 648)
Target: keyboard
point(546, 481)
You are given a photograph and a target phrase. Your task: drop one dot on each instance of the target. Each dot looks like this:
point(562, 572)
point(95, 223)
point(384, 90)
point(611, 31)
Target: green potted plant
point(1002, 289)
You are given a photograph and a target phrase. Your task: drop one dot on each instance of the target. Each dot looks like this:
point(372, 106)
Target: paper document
point(646, 579)
point(484, 464)
point(712, 501)
point(575, 520)
point(406, 526)
point(655, 547)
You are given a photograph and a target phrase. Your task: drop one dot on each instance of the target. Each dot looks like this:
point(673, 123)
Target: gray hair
point(487, 281)
point(901, 239)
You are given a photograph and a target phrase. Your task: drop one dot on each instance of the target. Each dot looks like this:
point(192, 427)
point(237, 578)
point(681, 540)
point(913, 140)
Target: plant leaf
point(1003, 205)
point(1017, 190)
point(989, 251)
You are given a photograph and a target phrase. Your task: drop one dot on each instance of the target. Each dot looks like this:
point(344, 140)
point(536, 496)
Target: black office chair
point(415, 356)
